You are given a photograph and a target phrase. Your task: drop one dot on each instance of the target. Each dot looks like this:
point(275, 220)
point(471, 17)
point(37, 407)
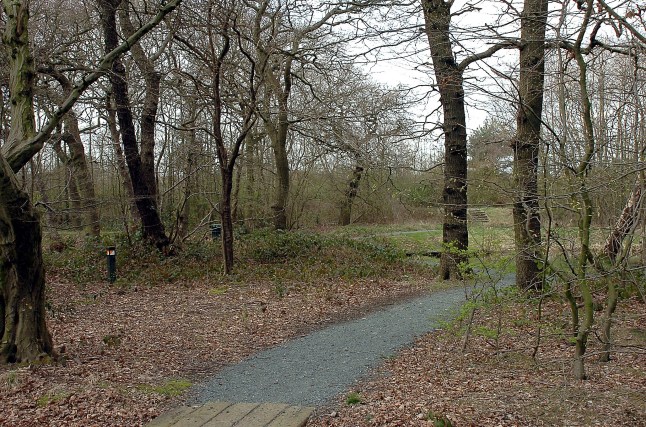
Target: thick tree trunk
point(345, 217)
point(22, 303)
point(527, 223)
point(83, 178)
point(22, 278)
point(278, 131)
point(449, 75)
point(142, 181)
point(152, 79)
point(74, 206)
point(147, 125)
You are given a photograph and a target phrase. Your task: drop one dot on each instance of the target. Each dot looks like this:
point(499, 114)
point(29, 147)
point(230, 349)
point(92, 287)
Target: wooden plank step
point(225, 414)
point(478, 215)
point(292, 417)
point(203, 414)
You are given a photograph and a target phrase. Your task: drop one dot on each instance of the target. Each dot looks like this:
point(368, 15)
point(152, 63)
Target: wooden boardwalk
point(224, 414)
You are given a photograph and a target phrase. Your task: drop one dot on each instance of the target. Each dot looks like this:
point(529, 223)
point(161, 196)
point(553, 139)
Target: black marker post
point(111, 253)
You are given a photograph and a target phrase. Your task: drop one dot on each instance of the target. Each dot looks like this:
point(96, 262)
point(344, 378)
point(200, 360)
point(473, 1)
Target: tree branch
point(623, 21)
point(19, 154)
point(488, 53)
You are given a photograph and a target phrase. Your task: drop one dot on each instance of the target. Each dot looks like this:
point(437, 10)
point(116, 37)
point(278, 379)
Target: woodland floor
point(497, 383)
point(127, 354)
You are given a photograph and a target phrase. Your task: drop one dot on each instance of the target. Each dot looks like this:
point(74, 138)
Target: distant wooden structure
point(477, 215)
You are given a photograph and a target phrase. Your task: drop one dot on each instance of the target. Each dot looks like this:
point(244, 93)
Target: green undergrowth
point(308, 256)
point(83, 260)
point(279, 257)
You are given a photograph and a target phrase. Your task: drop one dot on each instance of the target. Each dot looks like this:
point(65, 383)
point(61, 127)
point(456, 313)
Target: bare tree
point(140, 161)
point(285, 35)
point(77, 159)
point(526, 144)
point(449, 76)
point(22, 302)
point(228, 81)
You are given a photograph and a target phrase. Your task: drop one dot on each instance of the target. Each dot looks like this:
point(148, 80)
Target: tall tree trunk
point(22, 302)
point(50, 215)
point(152, 79)
point(449, 76)
point(278, 87)
point(278, 132)
point(82, 177)
point(584, 202)
point(183, 220)
point(279, 145)
point(142, 182)
point(345, 216)
point(526, 145)
point(226, 218)
point(236, 194)
point(227, 157)
point(77, 159)
point(74, 208)
point(122, 167)
point(251, 163)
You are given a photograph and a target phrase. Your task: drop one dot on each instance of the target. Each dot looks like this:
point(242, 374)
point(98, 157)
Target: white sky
point(393, 72)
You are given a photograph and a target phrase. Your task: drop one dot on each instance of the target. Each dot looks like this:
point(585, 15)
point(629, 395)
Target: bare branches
point(623, 21)
point(19, 153)
point(509, 44)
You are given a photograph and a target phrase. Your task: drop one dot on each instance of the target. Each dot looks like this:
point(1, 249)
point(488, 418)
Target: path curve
point(313, 369)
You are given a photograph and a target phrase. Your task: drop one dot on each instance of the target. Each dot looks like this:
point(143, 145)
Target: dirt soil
point(125, 355)
point(493, 382)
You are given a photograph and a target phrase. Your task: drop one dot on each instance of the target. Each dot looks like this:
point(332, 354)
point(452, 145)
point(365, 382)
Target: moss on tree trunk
point(22, 276)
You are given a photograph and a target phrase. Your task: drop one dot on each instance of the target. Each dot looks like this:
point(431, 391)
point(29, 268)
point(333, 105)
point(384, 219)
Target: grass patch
point(282, 257)
point(345, 253)
point(170, 388)
point(353, 398)
point(416, 241)
point(112, 340)
point(51, 397)
point(218, 290)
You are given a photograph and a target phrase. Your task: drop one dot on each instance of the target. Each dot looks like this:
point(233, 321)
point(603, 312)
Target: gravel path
point(313, 369)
